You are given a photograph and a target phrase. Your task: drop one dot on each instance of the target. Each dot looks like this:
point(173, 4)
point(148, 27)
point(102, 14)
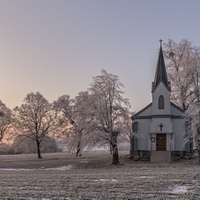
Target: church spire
point(161, 74)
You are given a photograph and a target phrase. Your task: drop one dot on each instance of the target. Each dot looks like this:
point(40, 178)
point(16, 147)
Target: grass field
point(62, 176)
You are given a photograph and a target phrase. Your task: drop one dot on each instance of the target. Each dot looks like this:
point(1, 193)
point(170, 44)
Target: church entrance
point(160, 142)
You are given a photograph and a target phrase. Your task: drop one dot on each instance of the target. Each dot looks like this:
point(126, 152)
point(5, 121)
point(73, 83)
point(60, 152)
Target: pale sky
point(56, 47)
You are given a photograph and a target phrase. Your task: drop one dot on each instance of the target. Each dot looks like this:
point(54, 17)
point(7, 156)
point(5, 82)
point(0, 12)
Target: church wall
point(146, 112)
point(175, 111)
point(178, 130)
point(143, 128)
point(170, 142)
point(152, 142)
point(167, 128)
point(161, 90)
point(166, 122)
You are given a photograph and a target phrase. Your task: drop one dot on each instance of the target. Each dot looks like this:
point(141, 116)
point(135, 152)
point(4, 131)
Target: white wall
point(175, 111)
point(143, 128)
point(178, 130)
point(146, 112)
point(154, 126)
point(173, 128)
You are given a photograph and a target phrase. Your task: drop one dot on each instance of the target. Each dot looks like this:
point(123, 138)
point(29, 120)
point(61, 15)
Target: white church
point(160, 126)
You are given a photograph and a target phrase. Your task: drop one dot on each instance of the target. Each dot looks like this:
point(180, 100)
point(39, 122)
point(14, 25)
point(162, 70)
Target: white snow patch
point(108, 180)
point(61, 168)
point(180, 189)
point(102, 148)
point(146, 177)
point(84, 161)
point(150, 195)
point(61, 198)
point(102, 179)
point(22, 169)
point(114, 180)
point(10, 187)
point(12, 169)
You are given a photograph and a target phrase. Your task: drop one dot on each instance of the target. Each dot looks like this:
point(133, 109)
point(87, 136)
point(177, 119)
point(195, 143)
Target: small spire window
point(161, 102)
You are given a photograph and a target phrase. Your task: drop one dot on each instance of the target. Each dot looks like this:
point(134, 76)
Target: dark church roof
point(161, 74)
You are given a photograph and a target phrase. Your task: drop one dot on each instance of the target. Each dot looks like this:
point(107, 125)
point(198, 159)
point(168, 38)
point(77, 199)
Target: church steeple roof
point(161, 74)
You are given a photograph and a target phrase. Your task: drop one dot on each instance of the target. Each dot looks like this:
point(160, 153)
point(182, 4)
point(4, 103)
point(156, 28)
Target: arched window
point(161, 102)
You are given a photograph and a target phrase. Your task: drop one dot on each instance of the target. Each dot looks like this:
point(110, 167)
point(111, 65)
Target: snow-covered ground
point(23, 169)
point(92, 177)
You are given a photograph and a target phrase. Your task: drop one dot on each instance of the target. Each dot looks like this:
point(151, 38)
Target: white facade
point(149, 125)
point(160, 125)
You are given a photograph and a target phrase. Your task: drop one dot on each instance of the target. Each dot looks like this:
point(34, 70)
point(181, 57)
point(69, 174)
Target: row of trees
point(93, 117)
point(101, 115)
point(183, 67)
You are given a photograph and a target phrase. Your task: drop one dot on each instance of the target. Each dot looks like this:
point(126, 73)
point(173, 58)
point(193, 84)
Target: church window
point(161, 102)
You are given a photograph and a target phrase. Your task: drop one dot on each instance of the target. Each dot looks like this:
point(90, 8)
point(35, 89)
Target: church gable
point(147, 111)
point(176, 111)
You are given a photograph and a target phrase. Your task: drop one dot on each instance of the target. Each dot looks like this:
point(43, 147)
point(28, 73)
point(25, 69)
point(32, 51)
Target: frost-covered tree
point(5, 120)
point(183, 66)
point(35, 119)
point(193, 132)
point(110, 108)
point(75, 117)
point(127, 131)
point(181, 62)
point(193, 111)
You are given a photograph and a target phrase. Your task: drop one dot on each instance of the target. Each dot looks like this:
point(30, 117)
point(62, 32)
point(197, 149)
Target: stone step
point(161, 157)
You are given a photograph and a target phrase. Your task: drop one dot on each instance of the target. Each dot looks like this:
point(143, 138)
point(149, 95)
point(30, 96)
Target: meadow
point(65, 177)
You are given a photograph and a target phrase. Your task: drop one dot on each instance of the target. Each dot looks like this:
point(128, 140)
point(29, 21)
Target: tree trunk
point(110, 149)
point(38, 149)
point(78, 150)
point(199, 154)
point(115, 155)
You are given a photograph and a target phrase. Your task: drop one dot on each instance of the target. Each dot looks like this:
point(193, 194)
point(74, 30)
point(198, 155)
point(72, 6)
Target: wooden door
point(161, 142)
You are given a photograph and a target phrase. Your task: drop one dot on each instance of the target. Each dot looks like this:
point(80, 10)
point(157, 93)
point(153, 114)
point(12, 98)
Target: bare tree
point(193, 111)
point(110, 108)
point(35, 119)
point(127, 131)
point(193, 132)
point(76, 120)
point(183, 65)
point(181, 61)
point(5, 120)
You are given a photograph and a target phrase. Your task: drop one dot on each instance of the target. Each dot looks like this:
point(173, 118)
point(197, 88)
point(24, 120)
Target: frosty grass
point(97, 179)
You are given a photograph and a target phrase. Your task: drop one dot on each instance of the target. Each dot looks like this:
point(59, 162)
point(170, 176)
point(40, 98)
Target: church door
point(161, 142)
